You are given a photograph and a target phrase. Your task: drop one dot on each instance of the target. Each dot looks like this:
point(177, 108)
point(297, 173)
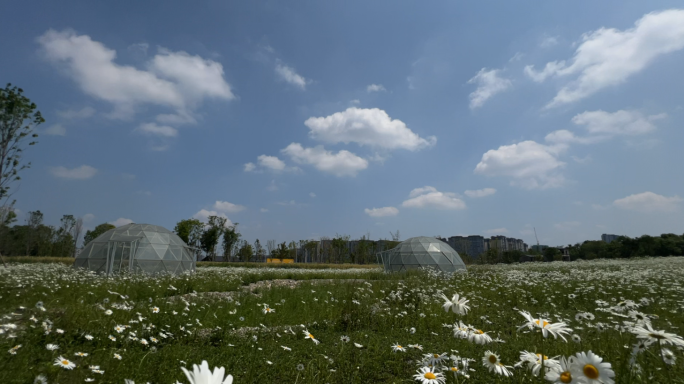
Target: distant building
point(539, 248)
point(609, 238)
point(476, 245)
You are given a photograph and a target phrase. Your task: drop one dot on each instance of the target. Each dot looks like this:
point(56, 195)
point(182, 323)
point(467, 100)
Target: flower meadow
point(601, 321)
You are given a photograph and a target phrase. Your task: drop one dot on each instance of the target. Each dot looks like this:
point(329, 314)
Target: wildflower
point(416, 346)
point(668, 356)
point(589, 368)
point(396, 347)
point(80, 354)
point(412, 330)
point(492, 362)
point(357, 345)
point(310, 336)
point(40, 379)
point(426, 375)
point(345, 339)
point(64, 363)
point(112, 338)
point(646, 331)
point(13, 350)
point(117, 356)
point(52, 347)
point(576, 338)
point(203, 375)
point(562, 374)
point(457, 306)
point(108, 312)
point(119, 328)
point(555, 329)
point(89, 337)
point(155, 309)
point(60, 331)
point(285, 348)
point(300, 367)
point(535, 362)
point(267, 309)
point(478, 337)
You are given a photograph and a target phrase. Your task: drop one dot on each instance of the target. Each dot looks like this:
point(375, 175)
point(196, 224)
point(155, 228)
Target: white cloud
point(78, 173)
point(225, 206)
point(139, 48)
point(621, 122)
point(289, 75)
point(582, 160)
point(372, 127)
point(381, 212)
point(342, 163)
point(531, 165)
point(203, 216)
point(120, 221)
point(495, 231)
point(488, 84)
point(179, 118)
point(88, 217)
point(263, 210)
point(249, 167)
point(71, 114)
point(375, 88)
point(548, 41)
point(480, 192)
point(55, 130)
point(608, 57)
point(271, 162)
point(153, 129)
point(649, 202)
point(567, 225)
point(516, 57)
point(312, 194)
point(563, 136)
point(172, 79)
point(430, 197)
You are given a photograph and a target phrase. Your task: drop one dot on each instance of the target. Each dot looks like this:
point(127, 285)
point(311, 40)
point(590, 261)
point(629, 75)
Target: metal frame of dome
point(137, 248)
point(420, 252)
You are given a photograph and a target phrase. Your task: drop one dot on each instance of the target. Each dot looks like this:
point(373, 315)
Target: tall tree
point(34, 220)
point(15, 109)
point(212, 232)
point(259, 252)
point(231, 237)
point(100, 229)
point(271, 246)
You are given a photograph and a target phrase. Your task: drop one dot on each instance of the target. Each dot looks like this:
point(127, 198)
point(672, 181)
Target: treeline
point(668, 244)
point(37, 239)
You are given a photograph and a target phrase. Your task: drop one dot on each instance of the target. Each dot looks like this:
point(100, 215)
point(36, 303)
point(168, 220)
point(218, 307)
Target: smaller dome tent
point(137, 248)
point(419, 252)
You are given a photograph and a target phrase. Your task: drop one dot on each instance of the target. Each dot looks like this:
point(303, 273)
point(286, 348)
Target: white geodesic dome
point(137, 248)
point(420, 252)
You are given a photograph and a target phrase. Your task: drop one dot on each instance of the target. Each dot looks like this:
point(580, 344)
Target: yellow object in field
point(284, 261)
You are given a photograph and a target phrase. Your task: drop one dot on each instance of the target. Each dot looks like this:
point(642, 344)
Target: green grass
point(222, 332)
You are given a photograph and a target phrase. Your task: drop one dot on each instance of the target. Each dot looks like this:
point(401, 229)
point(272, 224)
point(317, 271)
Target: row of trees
point(37, 239)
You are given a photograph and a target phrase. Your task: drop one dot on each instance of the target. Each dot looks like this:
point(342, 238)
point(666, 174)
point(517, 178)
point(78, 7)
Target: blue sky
point(313, 119)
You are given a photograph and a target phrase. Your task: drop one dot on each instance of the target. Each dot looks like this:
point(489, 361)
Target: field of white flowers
point(596, 322)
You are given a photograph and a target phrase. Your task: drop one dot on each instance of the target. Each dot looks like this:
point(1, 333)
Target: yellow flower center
point(65, 362)
point(656, 336)
point(399, 347)
point(454, 369)
point(479, 332)
point(429, 375)
point(436, 356)
point(492, 359)
point(590, 371)
point(311, 336)
point(566, 377)
point(544, 324)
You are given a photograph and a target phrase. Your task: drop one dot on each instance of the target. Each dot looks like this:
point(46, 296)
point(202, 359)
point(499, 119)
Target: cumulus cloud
point(271, 163)
point(249, 167)
point(176, 80)
point(608, 57)
point(79, 173)
point(622, 122)
point(179, 118)
point(531, 165)
point(342, 163)
point(71, 114)
point(648, 202)
point(289, 75)
point(488, 84)
point(495, 231)
point(372, 127)
point(225, 206)
point(381, 212)
point(480, 192)
point(120, 222)
point(375, 88)
point(88, 217)
point(203, 216)
point(153, 129)
point(563, 136)
point(430, 197)
point(55, 130)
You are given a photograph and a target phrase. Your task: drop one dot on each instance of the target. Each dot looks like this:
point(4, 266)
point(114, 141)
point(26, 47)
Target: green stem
point(541, 371)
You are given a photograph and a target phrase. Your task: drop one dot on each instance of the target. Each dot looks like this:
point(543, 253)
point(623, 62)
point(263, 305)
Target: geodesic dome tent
point(418, 252)
point(137, 248)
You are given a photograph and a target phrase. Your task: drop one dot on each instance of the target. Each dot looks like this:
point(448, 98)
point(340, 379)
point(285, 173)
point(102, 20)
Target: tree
point(395, 236)
point(64, 237)
point(339, 245)
point(76, 233)
point(100, 229)
point(271, 246)
point(246, 251)
point(190, 231)
point(34, 220)
point(211, 235)
point(259, 252)
point(281, 252)
point(292, 253)
point(230, 240)
point(551, 253)
point(15, 108)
